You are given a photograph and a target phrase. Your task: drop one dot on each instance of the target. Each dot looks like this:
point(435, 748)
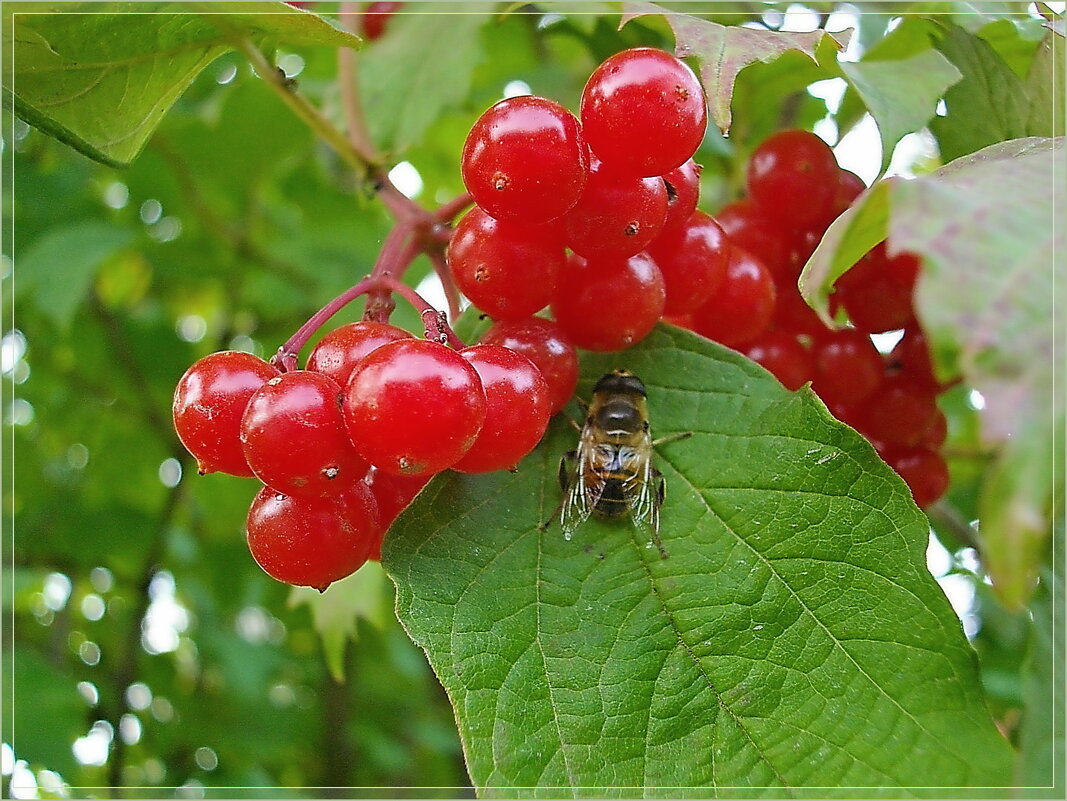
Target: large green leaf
point(990, 104)
point(100, 78)
point(901, 95)
point(792, 643)
point(1041, 752)
point(724, 50)
point(985, 225)
point(402, 102)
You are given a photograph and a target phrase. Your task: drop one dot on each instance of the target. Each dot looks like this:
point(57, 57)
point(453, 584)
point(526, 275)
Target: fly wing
point(644, 500)
point(581, 498)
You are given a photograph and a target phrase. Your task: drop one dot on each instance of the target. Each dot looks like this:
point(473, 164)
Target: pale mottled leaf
point(724, 50)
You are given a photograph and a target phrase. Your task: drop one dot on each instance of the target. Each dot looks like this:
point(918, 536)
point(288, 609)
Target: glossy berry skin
point(910, 357)
point(874, 300)
point(693, 261)
point(899, 414)
point(517, 410)
point(643, 111)
point(683, 192)
point(506, 269)
point(792, 313)
point(784, 356)
point(609, 304)
point(750, 228)
point(208, 404)
point(525, 159)
point(312, 541)
point(848, 368)
point(338, 353)
point(923, 469)
point(617, 216)
point(743, 307)
point(544, 343)
point(414, 407)
point(793, 176)
point(294, 436)
point(393, 494)
point(848, 187)
point(376, 16)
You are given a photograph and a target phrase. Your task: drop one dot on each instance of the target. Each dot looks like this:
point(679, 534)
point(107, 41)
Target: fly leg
point(566, 463)
point(672, 438)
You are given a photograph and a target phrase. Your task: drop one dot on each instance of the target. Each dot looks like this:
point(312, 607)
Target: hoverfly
point(610, 475)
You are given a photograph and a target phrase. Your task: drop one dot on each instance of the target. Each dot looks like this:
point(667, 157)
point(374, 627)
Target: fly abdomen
point(612, 502)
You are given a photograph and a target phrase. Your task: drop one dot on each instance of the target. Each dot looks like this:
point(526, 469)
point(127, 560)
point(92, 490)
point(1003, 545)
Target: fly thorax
point(619, 418)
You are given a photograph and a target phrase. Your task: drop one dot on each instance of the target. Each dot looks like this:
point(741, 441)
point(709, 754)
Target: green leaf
point(1041, 752)
point(101, 79)
point(1043, 86)
point(901, 95)
point(724, 50)
point(985, 225)
point(404, 96)
point(990, 104)
point(792, 639)
point(336, 611)
point(58, 268)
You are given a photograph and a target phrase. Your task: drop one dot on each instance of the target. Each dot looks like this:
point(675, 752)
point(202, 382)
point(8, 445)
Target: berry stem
point(348, 74)
point(304, 110)
point(436, 324)
point(450, 210)
point(285, 358)
point(440, 267)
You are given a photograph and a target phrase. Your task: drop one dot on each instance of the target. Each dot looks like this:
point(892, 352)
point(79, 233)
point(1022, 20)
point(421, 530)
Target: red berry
point(376, 15)
point(506, 269)
point(748, 227)
point(414, 407)
point(393, 494)
point(875, 302)
point(517, 410)
point(617, 215)
point(644, 111)
point(693, 261)
point(784, 356)
point(312, 541)
point(910, 358)
point(793, 314)
point(900, 414)
point(525, 159)
point(609, 304)
point(793, 175)
point(937, 432)
point(904, 269)
point(683, 192)
point(923, 469)
point(743, 306)
point(848, 368)
point(338, 353)
point(543, 343)
point(294, 436)
point(849, 186)
point(208, 403)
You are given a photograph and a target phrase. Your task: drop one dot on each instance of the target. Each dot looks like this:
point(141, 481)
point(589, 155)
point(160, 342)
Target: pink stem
point(437, 327)
point(444, 273)
point(286, 357)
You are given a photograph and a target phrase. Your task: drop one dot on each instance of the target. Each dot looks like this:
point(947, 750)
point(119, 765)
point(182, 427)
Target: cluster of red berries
point(596, 219)
point(795, 190)
point(569, 209)
point(345, 444)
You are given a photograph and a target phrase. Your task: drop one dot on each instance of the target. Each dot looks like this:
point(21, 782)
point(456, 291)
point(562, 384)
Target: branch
point(307, 112)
